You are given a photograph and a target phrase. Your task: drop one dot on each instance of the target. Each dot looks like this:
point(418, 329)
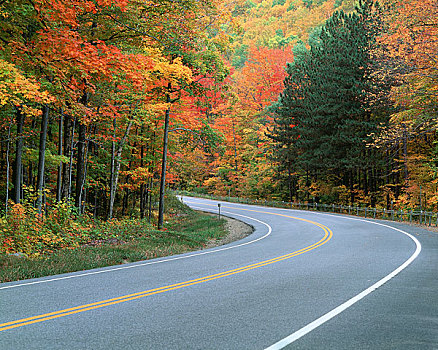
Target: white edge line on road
point(336, 311)
point(149, 262)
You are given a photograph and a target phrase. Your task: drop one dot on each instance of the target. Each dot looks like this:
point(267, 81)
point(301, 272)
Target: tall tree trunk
point(59, 179)
point(370, 172)
point(17, 167)
point(42, 158)
point(112, 173)
point(8, 148)
point(70, 167)
point(142, 204)
point(95, 203)
point(80, 160)
point(405, 155)
point(163, 164)
point(150, 199)
point(141, 201)
point(68, 153)
point(365, 173)
point(115, 166)
point(125, 201)
point(96, 188)
point(84, 190)
point(80, 165)
point(30, 179)
point(388, 177)
point(398, 170)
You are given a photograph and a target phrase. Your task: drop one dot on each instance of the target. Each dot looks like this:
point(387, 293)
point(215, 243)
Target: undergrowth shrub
point(25, 231)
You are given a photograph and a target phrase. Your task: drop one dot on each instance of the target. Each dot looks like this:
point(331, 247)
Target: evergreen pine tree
point(288, 113)
point(323, 118)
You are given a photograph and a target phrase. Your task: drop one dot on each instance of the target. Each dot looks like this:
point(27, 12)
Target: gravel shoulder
point(236, 230)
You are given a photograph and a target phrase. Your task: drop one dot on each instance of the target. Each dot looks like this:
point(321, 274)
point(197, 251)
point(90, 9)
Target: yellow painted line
point(82, 308)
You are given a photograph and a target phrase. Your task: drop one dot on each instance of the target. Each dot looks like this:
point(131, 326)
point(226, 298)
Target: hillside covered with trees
point(300, 100)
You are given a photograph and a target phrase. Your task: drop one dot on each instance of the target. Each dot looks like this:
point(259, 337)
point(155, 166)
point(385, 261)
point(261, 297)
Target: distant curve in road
point(302, 280)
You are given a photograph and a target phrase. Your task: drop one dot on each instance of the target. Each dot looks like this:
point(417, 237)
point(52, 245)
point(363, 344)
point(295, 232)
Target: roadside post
point(219, 207)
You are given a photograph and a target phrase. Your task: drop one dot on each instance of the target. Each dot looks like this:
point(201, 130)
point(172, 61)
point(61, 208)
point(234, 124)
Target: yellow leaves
point(171, 70)
point(27, 232)
point(154, 54)
point(51, 239)
point(174, 71)
point(16, 89)
point(139, 175)
point(412, 28)
point(18, 210)
point(404, 116)
point(156, 108)
point(212, 183)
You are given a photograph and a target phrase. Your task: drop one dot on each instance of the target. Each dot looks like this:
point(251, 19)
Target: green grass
point(186, 231)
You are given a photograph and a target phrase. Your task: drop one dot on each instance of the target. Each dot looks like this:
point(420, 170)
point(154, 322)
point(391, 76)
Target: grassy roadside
point(186, 230)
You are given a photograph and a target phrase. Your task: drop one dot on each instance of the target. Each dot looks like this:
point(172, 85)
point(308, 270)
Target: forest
point(104, 104)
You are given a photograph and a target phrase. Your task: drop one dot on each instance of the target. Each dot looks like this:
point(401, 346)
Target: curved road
point(302, 280)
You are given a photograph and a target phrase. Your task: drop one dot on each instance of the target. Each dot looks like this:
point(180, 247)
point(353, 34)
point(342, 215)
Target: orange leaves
point(67, 13)
point(412, 31)
point(412, 47)
point(68, 52)
point(138, 176)
point(260, 81)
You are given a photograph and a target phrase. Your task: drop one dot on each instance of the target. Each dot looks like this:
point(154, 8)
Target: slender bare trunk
point(70, 166)
point(80, 160)
point(163, 164)
point(95, 203)
point(67, 152)
point(17, 167)
point(42, 158)
point(80, 165)
point(405, 155)
point(150, 200)
point(142, 203)
point(115, 167)
point(59, 179)
point(84, 190)
point(112, 173)
point(8, 148)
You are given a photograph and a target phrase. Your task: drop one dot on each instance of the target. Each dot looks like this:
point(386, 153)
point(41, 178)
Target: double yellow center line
point(82, 308)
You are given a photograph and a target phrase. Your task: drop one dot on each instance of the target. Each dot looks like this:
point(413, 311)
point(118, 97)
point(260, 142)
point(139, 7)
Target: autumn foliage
point(85, 87)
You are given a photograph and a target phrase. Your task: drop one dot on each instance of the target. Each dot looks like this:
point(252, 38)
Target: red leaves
point(261, 79)
point(68, 13)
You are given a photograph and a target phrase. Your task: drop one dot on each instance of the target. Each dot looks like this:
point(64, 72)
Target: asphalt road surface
point(302, 280)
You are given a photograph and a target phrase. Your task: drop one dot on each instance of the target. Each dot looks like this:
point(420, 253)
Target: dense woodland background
point(309, 100)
